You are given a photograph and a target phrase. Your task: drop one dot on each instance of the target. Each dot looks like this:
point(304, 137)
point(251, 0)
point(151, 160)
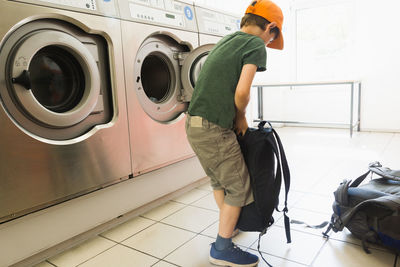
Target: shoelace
point(236, 248)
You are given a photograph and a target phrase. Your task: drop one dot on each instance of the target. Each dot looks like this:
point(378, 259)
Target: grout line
point(319, 251)
point(120, 243)
point(185, 205)
point(209, 192)
point(116, 244)
point(155, 222)
point(166, 262)
point(180, 246)
point(188, 229)
point(146, 253)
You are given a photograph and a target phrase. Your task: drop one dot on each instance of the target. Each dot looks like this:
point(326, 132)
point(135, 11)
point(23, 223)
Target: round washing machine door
point(191, 68)
point(165, 76)
point(157, 81)
point(54, 78)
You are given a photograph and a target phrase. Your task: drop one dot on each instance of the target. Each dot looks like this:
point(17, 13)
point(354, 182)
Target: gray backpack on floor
point(371, 212)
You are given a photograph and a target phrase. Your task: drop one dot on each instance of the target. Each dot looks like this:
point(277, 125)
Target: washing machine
point(64, 129)
point(162, 60)
point(214, 24)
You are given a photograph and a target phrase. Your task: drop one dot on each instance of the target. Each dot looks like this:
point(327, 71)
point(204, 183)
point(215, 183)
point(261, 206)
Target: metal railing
point(355, 98)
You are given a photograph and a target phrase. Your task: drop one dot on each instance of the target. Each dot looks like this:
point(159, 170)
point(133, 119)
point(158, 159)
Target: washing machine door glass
point(191, 69)
point(157, 89)
point(55, 78)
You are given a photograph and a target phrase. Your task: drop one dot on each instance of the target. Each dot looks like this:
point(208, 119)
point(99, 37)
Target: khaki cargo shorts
point(221, 158)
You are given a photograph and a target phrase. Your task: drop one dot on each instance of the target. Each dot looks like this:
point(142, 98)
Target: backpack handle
point(384, 172)
point(262, 124)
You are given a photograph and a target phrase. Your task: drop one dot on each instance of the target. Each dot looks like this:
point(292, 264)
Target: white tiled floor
point(179, 232)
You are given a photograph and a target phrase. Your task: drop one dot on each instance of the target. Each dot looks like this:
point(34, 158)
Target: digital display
point(170, 16)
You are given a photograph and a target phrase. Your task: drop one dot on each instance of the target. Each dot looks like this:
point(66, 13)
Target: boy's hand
point(240, 124)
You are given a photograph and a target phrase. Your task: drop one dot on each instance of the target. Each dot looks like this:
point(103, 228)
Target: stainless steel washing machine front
point(162, 60)
point(63, 115)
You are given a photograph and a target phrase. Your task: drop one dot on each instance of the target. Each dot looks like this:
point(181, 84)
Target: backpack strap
point(359, 180)
point(282, 168)
point(286, 178)
point(341, 198)
point(391, 202)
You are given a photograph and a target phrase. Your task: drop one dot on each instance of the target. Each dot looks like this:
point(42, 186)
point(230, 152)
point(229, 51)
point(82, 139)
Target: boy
point(217, 111)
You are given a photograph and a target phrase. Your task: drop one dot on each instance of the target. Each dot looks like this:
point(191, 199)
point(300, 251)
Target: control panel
point(168, 13)
point(101, 7)
point(216, 23)
point(84, 4)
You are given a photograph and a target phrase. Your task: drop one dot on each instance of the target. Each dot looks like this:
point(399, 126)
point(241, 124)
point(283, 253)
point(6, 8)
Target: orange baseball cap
point(271, 12)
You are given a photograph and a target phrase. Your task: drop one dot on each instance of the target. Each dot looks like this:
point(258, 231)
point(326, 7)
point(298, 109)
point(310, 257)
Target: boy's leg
point(219, 196)
point(228, 217)
point(220, 155)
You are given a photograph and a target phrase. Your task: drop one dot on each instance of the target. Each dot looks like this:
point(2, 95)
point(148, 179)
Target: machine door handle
point(23, 79)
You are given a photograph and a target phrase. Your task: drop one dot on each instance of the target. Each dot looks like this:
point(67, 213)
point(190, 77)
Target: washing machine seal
point(191, 68)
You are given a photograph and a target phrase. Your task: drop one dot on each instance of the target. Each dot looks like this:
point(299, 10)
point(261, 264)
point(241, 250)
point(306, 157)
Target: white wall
point(378, 62)
point(369, 51)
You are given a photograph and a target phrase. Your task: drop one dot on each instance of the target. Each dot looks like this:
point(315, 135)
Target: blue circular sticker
point(188, 13)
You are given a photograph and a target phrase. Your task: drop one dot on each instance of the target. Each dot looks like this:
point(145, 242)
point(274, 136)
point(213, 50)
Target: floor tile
point(128, 229)
point(159, 240)
point(327, 186)
point(194, 253)
point(163, 264)
point(319, 160)
point(192, 196)
point(207, 202)
point(310, 217)
point(274, 243)
point(275, 261)
point(83, 252)
point(211, 231)
point(164, 210)
point(317, 203)
point(246, 239)
point(120, 256)
point(293, 198)
point(337, 253)
point(192, 218)
point(390, 156)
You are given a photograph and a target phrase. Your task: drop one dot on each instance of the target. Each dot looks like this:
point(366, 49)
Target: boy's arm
point(242, 97)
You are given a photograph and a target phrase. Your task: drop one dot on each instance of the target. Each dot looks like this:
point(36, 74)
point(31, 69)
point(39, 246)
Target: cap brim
point(277, 43)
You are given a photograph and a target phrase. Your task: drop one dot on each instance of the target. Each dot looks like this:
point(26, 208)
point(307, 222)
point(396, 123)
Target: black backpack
point(266, 161)
point(370, 211)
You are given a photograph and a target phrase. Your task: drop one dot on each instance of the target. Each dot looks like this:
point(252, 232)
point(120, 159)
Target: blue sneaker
point(232, 256)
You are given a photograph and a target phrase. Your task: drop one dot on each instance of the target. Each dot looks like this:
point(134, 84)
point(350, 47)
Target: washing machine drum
point(165, 74)
point(51, 78)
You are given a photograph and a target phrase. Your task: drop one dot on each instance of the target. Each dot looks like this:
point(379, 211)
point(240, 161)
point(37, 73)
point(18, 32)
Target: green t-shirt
point(214, 94)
